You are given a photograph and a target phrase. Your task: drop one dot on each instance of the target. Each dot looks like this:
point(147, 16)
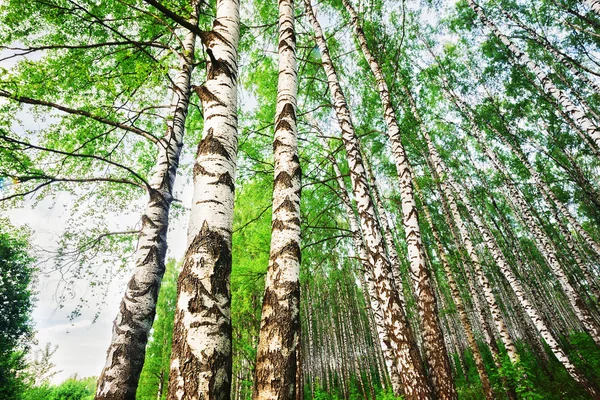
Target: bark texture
point(276, 363)
point(131, 327)
point(201, 357)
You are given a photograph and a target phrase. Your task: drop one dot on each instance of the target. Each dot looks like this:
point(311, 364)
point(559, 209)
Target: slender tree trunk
point(407, 359)
point(543, 244)
point(127, 350)
point(387, 233)
point(522, 297)
point(460, 308)
point(275, 374)
point(445, 178)
point(201, 358)
point(561, 57)
point(578, 116)
point(368, 282)
point(550, 197)
point(435, 349)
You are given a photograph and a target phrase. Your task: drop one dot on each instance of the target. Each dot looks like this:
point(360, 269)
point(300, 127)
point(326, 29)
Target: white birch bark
point(407, 358)
point(545, 43)
point(275, 375)
point(575, 112)
point(594, 5)
point(460, 308)
point(131, 327)
point(435, 349)
point(368, 280)
point(542, 241)
point(550, 197)
point(201, 356)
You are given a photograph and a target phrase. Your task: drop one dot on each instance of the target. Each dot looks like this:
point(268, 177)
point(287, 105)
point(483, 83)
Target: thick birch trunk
point(275, 376)
point(435, 349)
point(577, 114)
point(131, 327)
point(201, 358)
point(407, 359)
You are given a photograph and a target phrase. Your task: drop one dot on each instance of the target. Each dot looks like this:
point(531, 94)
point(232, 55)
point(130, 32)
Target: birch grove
point(352, 200)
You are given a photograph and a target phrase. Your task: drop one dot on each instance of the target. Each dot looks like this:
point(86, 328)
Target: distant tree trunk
point(460, 308)
point(201, 359)
point(578, 116)
point(379, 332)
point(561, 57)
point(549, 195)
point(131, 328)
point(542, 241)
point(435, 349)
point(276, 363)
point(522, 297)
point(436, 162)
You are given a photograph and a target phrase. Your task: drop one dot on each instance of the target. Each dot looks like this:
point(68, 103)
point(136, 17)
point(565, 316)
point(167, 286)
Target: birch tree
point(201, 355)
point(276, 360)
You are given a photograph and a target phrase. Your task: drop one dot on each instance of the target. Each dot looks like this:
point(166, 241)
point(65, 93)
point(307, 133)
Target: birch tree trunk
point(436, 161)
point(550, 197)
point(545, 43)
point(522, 297)
point(578, 116)
point(407, 358)
point(275, 375)
point(542, 242)
point(368, 283)
point(201, 358)
point(460, 308)
point(125, 356)
point(435, 349)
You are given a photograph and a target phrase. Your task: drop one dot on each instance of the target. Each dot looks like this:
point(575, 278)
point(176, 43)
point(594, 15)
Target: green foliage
point(73, 388)
point(16, 301)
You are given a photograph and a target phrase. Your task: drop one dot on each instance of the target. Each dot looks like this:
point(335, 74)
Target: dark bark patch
point(206, 96)
point(226, 179)
point(288, 205)
point(212, 145)
point(283, 124)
